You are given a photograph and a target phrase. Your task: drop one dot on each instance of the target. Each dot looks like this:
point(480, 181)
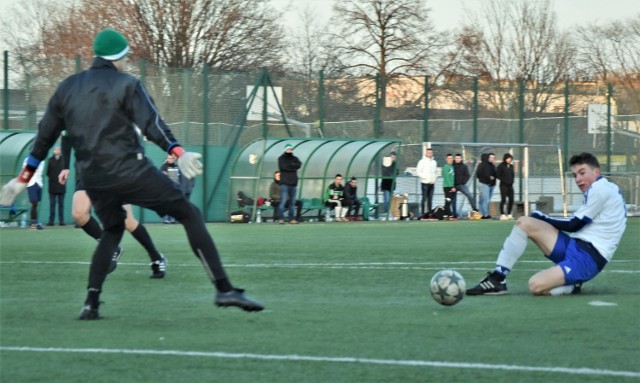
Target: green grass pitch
point(346, 302)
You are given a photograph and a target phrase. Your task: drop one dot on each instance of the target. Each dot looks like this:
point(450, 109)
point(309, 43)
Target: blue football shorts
point(576, 263)
point(35, 193)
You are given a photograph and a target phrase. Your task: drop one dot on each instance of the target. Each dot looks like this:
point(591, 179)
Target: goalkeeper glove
point(188, 162)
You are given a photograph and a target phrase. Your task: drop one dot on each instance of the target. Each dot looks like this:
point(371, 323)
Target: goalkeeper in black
point(102, 109)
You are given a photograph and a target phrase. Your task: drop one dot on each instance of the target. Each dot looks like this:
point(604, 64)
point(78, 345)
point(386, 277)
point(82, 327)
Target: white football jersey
point(604, 206)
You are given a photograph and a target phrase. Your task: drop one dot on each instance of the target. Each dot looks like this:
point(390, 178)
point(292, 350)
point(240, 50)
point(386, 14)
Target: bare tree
point(226, 34)
point(512, 40)
point(307, 46)
point(389, 38)
point(611, 53)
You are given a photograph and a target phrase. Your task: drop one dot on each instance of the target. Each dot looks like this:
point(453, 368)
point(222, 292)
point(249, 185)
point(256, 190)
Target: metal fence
point(207, 107)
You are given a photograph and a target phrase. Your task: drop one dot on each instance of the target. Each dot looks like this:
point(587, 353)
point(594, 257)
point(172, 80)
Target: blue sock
point(502, 270)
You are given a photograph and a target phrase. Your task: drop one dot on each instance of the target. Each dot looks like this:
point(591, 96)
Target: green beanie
point(110, 45)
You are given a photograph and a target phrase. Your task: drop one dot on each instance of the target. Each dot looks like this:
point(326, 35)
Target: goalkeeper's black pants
point(154, 191)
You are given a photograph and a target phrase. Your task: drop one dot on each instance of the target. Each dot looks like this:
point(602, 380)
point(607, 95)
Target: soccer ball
point(447, 287)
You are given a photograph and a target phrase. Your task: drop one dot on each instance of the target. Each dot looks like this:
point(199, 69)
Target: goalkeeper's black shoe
point(493, 284)
point(89, 313)
point(114, 260)
point(159, 268)
point(237, 298)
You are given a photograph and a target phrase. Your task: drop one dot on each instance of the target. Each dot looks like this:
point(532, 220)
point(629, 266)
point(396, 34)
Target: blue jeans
point(53, 200)
point(427, 196)
point(386, 195)
point(464, 190)
point(287, 192)
point(486, 192)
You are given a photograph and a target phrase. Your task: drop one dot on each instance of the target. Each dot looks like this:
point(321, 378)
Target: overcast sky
point(447, 14)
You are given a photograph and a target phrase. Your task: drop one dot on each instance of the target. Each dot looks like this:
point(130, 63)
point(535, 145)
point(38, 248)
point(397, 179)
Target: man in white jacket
point(427, 171)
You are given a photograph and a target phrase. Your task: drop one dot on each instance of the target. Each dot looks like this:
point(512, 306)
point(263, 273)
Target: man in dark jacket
point(486, 174)
point(461, 178)
point(274, 197)
point(56, 189)
point(101, 110)
point(505, 174)
point(389, 173)
point(351, 198)
point(288, 164)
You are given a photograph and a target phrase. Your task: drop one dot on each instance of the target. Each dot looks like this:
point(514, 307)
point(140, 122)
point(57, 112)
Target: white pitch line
point(345, 266)
point(328, 359)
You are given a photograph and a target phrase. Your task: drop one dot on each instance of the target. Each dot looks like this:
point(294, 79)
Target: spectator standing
point(171, 169)
point(389, 172)
point(505, 174)
point(34, 189)
point(427, 172)
point(461, 177)
point(288, 164)
point(274, 198)
point(448, 186)
point(351, 198)
point(486, 174)
point(56, 190)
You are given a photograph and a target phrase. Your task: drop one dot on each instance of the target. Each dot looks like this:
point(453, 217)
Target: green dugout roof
point(322, 159)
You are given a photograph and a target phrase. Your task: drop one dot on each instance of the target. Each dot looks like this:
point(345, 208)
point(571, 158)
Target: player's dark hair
point(338, 175)
point(458, 155)
point(584, 158)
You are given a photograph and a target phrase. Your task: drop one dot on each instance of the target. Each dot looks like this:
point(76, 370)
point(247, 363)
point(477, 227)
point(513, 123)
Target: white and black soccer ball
point(447, 287)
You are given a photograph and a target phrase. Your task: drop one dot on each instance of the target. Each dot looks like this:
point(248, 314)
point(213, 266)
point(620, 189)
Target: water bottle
point(23, 222)
point(327, 215)
point(258, 216)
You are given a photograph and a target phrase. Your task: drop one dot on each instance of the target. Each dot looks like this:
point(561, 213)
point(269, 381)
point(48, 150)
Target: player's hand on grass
point(189, 164)
point(10, 191)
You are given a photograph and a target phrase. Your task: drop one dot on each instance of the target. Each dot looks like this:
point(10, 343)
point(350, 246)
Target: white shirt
point(427, 170)
point(37, 176)
point(604, 206)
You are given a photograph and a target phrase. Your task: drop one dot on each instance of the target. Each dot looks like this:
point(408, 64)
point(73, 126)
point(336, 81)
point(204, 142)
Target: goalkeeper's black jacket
point(100, 109)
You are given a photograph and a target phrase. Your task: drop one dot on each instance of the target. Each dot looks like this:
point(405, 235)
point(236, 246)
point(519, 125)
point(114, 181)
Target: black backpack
point(435, 213)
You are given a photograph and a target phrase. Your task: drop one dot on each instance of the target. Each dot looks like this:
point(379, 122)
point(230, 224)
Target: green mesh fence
point(211, 108)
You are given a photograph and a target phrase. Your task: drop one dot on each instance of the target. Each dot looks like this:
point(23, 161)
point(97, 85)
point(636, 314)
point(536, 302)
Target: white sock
point(337, 211)
point(561, 290)
point(344, 212)
point(512, 249)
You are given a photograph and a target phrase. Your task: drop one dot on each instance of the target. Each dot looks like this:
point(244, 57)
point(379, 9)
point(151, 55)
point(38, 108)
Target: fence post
point(566, 123)
point(321, 101)
point(609, 95)
point(205, 137)
point(377, 120)
point(521, 90)
point(264, 82)
point(425, 118)
point(475, 111)
point(186, 86)
point(5, 92)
